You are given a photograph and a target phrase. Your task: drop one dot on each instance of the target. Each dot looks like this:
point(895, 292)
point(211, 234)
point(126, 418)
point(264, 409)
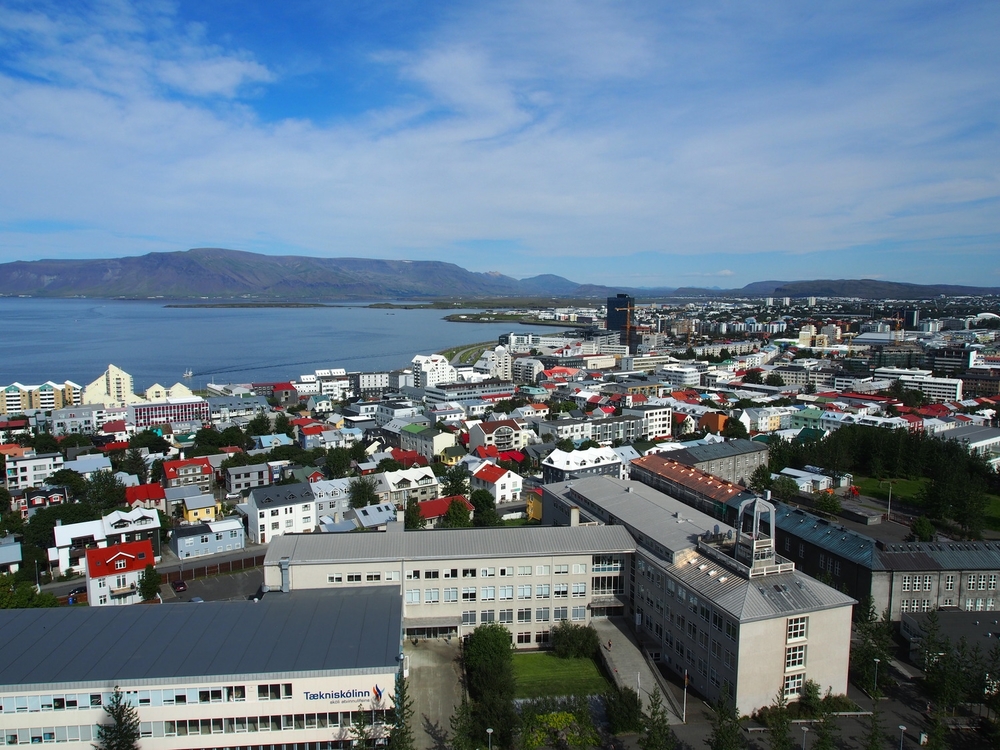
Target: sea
point(76, 339)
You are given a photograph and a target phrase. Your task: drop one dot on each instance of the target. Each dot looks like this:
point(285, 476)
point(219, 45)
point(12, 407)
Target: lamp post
point(875, 689)
point(489, 736)
point(805, 731)
point(901, 730)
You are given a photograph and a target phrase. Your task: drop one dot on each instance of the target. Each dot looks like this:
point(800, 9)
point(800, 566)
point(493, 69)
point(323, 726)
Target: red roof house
point(113, 573)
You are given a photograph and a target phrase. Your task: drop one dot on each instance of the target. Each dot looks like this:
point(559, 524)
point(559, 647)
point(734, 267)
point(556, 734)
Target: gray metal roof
point(450, 544)
point(304, 631)
point(277, 495)
point(715, 451)
point(826, 535)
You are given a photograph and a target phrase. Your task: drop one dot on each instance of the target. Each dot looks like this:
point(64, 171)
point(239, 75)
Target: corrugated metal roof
point(449, 544)
point(714, 451)
point(305, 631)
point(825, 535)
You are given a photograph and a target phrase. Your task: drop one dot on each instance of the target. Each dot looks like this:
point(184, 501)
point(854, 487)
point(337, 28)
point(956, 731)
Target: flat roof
point(313, 632)
point(450, 544)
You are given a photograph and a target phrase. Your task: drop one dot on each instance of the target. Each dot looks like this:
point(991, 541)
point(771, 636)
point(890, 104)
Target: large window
point(797, 628)
point(795, 657)
point(793, 685)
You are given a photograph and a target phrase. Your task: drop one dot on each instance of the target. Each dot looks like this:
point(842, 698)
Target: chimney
point(574, 516)
point(285, 582)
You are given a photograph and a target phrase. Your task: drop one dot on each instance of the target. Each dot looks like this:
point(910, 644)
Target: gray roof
point(199, 501)
point(715, 451)
point(450, 544)
point(971, 434)
point(673, 524)
point(315, 632)
point(277, 495)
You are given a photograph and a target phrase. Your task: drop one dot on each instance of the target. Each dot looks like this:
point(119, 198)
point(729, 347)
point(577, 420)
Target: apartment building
point(31, 471)
point(488, 390)
point(194, 409)
point(113, 573)
point(18, 398)
point(504, 435)
point(280, 509)
point(656, 419)
point(430, 370)
point(560, 465)
point(245, 478)
point(733, 461)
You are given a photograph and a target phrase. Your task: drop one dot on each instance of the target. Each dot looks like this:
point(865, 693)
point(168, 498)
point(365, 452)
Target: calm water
point(76, 340)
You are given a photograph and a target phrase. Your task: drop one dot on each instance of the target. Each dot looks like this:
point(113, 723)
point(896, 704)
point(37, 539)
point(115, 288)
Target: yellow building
point(201, 508)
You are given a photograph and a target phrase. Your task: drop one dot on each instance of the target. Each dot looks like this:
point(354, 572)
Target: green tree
point(734, 428)
point(726, 731)
point(15, 594)
point(389, 464)
point(784, 488)
point(72, 480)
point(363, 491)
point(874, 641)
point(826, 731)
point(150, 440)
point(401, 717)
point(457, 516)
point(779, 724)
point(362, 731)
point(486, 509)
point(123, 731)
point(44, 442)
point(5, 500)
point(412, 520)
point(259, 425)
point(624, 709)
point(827, 502)
point(922, 529)
point(135, 463)
point(566, 445)
point(75, 440)
point(874, 737)
point(571, 641)
point(282, 424)
point(657, 735)
point(760, 479)
point(489, 670)
point(105, 491)
point(753, 376)
point(774, 379)
point(338, 462)
point(149, 583)
point(456, 481)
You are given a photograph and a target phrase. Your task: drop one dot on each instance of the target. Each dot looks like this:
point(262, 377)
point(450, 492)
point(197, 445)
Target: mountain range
point(220, 274)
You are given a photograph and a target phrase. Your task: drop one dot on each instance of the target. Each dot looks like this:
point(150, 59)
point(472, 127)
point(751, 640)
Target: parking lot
point(221, 588)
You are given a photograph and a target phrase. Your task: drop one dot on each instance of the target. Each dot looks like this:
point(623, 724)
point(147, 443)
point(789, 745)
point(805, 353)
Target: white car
point(233, 496)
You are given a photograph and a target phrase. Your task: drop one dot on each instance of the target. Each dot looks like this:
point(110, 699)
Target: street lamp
point(805, 731)
point(875, 690)
point(901, 730)
point(489, 736)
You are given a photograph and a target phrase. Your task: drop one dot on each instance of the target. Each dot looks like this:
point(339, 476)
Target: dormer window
point(120, 564)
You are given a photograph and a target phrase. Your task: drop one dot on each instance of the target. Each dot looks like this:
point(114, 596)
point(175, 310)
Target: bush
point(624, 710)
point(571, 641)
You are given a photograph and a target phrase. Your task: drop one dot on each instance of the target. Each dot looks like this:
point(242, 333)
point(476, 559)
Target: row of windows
point(502, 572)
point(168, 697)
point(541, 614)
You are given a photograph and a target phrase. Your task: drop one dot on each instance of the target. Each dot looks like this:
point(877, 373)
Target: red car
point(178, 586)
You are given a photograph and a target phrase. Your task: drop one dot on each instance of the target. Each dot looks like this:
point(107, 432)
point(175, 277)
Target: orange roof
point(170, 467)
point(431, 509)
point(490, 473)
point(702, 482)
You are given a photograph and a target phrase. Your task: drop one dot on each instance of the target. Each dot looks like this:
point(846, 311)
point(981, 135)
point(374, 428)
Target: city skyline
point(633, 145)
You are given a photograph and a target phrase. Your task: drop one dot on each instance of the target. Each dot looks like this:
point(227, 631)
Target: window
point(524, 592)
point(373, 577)
point(274, 692)
point(524, 615)
point(469, 617)
point(560, 613)
point(927, 583)
point(982, 583)
point(453, 573)
point(795, 657)
point(487, 615)
point(543, 570)
point(730, 660)
point(335, 578)
point(506, 572)
point(993, 582)
point(275, 526)
point(288, 523)
point(469, 594)
point(949, 583)
point(793, 685)
point(542, 636)
point(507, 616)
point(488, 593)
point(413, 575)
point(542, 591)
point(524, 570)
point(524, 637)
point(561, 570)
point(431, 573)
point(122, 564)
point(451, 595)
point(561, 590)
point(542, 614)
point(906, 583)
point(468, 572)
point(579, 613)
point(488, 572)
point(579, 589)
point(716, 649)
point(413, 596)
point(796, 628)
point(506, 593)
point(432, 596)
point(730, 631)
point(354, 578)
point(392, 575)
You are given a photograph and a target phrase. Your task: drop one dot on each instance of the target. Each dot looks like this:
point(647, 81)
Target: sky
point(628, 144)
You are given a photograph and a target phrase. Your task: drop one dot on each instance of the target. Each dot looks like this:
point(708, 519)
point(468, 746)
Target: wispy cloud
point(581, 137)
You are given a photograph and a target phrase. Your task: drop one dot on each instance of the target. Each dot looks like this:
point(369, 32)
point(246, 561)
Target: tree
point(412, 520)
point(389, 464)
point(105, 491)
point(4, 500)
point(779, 723)
point(922, 529)
point(489, 670)
point(16, 594)
point(259, 425)
point(401, 717)
point(149, 583)
point(72, 480)
point(566, 445)
point(123, 731)
point(338, 462)
point(753, 376)
point(784, 488)
point(827, 502)
point(726, 731)
point(150, 440)
point(874, 737)
point(135, 463)
point(774, 379)
point(282, 425)
point(361, 727)
point(624, 709)
point(486, 509)
point(363, 491)
point(571, 641)
point(734, 428)
point(456, 481)
point(457, 516)
point(658, 735)
point(760, 480)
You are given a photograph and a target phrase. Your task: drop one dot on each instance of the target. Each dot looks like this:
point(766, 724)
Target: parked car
point(234, 496)
point(178, 586)
point(79, 590)
point(197, 600)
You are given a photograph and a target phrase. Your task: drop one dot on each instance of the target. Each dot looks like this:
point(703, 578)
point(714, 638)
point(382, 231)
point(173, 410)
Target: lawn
point(905, 490)
point(544, 674)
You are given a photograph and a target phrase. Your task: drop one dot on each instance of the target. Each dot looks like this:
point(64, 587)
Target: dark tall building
point(620, 310)
point(911, 319)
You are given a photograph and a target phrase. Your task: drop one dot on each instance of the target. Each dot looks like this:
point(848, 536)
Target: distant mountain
point(219, 274)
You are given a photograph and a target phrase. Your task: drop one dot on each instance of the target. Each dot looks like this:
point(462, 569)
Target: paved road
point(436, 686)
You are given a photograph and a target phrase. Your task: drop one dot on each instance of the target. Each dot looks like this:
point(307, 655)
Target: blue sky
point(628, 144)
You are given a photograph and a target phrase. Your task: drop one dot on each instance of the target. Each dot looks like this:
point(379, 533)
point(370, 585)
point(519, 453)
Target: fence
point(212, 569)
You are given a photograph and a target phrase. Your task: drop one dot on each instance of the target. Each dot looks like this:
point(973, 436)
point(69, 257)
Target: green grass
point(521, 522)
point(543, 674)
point(905, 490)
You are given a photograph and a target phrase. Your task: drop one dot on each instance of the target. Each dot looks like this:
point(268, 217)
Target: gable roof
point(103, 561)
point(431, 509)
point(490, 473)
point(170, 468)
point(141, 493)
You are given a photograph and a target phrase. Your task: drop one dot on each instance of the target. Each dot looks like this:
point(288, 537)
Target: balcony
point(123, 591)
